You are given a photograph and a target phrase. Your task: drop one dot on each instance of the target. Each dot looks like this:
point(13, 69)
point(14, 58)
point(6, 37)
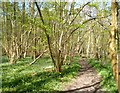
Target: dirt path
point(87, 81)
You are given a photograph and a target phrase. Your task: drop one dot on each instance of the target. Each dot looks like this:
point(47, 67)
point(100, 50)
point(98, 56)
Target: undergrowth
point(105, 71)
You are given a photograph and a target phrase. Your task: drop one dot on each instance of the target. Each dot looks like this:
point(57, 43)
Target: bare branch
point(79, 12)
point(79, 27)
point(39, 12)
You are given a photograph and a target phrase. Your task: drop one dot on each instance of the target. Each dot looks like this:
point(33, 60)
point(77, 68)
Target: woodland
point(60, 46)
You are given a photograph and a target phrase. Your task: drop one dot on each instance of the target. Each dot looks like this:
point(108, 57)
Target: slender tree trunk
point(47, 35)
point(34, 30)
point(22, 39)
point(88, 45)
point(13, 37)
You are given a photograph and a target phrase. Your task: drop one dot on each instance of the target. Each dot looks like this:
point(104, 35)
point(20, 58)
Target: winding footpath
point(87, 81)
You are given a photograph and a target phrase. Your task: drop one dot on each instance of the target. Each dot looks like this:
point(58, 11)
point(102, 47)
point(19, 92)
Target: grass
point(105, 71)
point(37, 77)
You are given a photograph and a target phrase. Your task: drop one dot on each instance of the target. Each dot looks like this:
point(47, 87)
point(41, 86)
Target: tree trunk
point(113, 46)
point(88, 45)
point(118, 46)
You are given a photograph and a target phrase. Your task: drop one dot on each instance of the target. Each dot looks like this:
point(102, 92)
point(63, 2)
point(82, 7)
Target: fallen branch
point(37, 58)
point(83, 87)
point(24, 67)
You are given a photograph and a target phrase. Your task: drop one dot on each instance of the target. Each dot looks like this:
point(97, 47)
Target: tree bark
point(118, 46)
point(113, 46)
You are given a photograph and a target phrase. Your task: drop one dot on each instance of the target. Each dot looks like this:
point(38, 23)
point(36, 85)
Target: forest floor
point(87, 81)
point(79, 77)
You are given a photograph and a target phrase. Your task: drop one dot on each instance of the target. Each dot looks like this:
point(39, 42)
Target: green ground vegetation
point(38, 77)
